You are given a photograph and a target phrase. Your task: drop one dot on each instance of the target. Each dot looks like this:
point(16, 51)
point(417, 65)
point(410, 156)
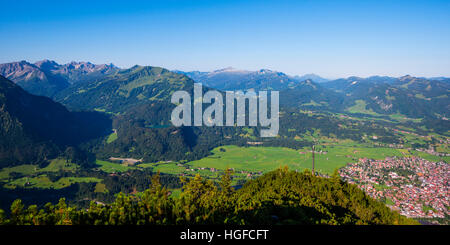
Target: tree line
point(277, 197)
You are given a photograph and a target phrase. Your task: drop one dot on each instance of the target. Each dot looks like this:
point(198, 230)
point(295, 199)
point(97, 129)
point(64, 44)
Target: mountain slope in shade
point(124, 89)
point(35, 128)
point(48, 77)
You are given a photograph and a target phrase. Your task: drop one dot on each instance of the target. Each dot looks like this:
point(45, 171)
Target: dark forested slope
point(35, 128)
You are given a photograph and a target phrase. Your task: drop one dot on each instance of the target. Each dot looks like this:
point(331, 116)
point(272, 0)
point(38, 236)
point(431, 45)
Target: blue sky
point(329, 38)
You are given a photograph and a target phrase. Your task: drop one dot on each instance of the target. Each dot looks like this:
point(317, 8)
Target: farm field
point(31, 176)
point(247, 162)
point(263, 159)
point(111, 167)
point(360, 107)
point(164, 167)
point(42, 181)
point(28, 169)
point(59, 164)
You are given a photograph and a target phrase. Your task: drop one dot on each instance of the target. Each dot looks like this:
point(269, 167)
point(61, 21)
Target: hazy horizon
point(228, 67)
point(329, 38)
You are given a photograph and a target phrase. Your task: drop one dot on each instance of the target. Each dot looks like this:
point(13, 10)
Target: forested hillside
point(35, 128)
point(278, 197)
point(124, 89)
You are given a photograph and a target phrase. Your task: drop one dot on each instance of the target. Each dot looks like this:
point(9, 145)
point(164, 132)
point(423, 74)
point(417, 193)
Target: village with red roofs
point(413, 186)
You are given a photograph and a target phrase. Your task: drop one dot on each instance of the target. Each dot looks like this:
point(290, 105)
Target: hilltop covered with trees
point(278, 197)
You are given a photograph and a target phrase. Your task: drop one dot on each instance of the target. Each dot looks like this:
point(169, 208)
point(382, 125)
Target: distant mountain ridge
point(312, 77)
point(75, 72)
point(47, 77)
point(377, 95)
point(406, 95)
point(86, 86)
point(233, 79)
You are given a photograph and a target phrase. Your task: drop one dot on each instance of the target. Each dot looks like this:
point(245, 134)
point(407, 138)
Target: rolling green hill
point(124, 89)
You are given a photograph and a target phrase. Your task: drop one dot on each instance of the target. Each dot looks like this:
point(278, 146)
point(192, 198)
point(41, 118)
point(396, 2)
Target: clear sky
point(329, 38)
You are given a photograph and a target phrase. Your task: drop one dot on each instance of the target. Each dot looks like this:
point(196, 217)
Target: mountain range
point(234, 79)
point(376, 95)
point(407, 95)
point(47, 77)
point(87, 86)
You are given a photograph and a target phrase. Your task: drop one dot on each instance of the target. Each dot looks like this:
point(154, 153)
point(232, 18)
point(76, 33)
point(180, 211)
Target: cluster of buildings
point(416, 187)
